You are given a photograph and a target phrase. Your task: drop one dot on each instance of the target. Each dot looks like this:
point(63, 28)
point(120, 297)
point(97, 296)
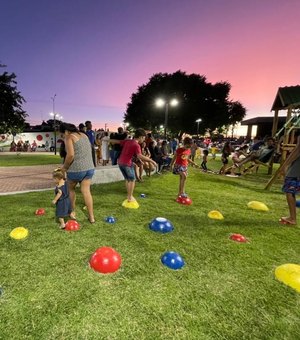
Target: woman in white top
point(104, 148)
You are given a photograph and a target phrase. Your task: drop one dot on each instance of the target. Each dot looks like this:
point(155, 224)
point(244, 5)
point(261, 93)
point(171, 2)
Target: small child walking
point(291, 186)
point(180, 162)
point(204, 160)
point(213, 151)
point(61, 199)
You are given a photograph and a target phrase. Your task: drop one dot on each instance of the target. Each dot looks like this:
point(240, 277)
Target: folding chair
point(265, 159)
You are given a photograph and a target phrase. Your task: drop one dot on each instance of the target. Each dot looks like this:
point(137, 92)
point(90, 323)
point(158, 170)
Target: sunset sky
point(93, 54)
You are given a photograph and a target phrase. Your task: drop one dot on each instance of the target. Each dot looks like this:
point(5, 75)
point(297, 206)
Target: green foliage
point(197, 99)
point(236, 112)
point(226, 290)
point(23, 159)
point(12, 116)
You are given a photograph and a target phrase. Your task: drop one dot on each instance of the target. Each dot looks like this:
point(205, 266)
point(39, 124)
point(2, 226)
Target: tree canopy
point(12, 116)
point(196, 97)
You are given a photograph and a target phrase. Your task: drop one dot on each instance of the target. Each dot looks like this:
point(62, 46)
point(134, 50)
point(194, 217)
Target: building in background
point(42, 135)
point(262, 125)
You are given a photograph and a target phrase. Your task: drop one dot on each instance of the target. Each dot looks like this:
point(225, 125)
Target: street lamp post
point(54, 122)
point(55, 115)
point(166, 103)
point(198, 122)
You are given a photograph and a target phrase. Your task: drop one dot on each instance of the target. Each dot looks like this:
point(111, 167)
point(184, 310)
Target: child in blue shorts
point(291, 185)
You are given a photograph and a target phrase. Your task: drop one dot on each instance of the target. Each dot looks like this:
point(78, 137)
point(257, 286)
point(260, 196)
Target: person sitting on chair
point(33, 146)
point(238, 152)
point(262, 155)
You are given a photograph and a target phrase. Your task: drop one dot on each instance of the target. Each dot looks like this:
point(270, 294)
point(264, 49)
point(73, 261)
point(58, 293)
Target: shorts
point(128, 172)
point(224, 160)
point(179, 168)
point(80, 176)
point(291, 185)
point(136, 160)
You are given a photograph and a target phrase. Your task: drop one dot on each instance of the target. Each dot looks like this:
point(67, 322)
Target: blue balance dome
point(298, 204)
point(110, 219)
point(161, 224)
point(172, 260)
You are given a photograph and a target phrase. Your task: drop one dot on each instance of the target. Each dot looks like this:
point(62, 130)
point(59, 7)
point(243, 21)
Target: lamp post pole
point(166, 103)
point(166, 120)
point(54, 122)
point(198, 122)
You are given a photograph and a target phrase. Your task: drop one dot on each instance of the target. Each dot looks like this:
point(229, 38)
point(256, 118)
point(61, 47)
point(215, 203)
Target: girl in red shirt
point(180, 163)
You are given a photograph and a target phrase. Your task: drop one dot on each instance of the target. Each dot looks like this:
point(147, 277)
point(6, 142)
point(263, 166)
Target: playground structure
point(287, 98)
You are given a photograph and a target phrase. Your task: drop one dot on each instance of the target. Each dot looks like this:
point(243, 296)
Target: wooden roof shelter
point(264, 125)
point(287, 98)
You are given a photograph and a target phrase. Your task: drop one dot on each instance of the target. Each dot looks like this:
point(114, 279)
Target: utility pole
point(54, 122)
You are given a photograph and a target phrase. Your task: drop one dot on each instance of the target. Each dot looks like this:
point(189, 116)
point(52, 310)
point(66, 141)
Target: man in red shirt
point(131, 148)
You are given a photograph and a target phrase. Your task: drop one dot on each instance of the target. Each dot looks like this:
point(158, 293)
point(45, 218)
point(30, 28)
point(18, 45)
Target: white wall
point(39, 137)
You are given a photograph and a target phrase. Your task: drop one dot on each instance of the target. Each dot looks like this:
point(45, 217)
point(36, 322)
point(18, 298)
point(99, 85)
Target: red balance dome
point(105, 260)
point(72, 225)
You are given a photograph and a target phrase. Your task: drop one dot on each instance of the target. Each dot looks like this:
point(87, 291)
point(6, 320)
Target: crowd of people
point(84, 149)
point(161, 151)
point(21, 146)
point(26, 146)
point(135, 153)
point(259, 152)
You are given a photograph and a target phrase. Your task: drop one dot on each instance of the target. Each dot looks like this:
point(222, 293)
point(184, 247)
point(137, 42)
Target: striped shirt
point(82, 156)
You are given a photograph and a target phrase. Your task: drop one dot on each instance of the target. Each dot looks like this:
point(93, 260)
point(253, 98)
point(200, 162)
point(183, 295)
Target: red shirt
point(182, 156)
point(130, 148)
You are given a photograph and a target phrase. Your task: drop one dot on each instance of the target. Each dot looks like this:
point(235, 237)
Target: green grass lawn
point(23, 159)
point(226, 290)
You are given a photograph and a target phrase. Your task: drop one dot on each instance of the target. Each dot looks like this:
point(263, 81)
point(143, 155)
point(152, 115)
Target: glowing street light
point(198, 122)
point(125, 125)
point(160, 103)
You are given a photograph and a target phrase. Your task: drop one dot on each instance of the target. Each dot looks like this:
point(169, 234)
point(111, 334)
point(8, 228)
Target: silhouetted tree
point(50, 123)
point(236, 112)
point(197, 99)
point(12, 116)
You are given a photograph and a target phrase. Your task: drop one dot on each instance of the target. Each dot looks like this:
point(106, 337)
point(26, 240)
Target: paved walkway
point(20, 179)
point(26, 178)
